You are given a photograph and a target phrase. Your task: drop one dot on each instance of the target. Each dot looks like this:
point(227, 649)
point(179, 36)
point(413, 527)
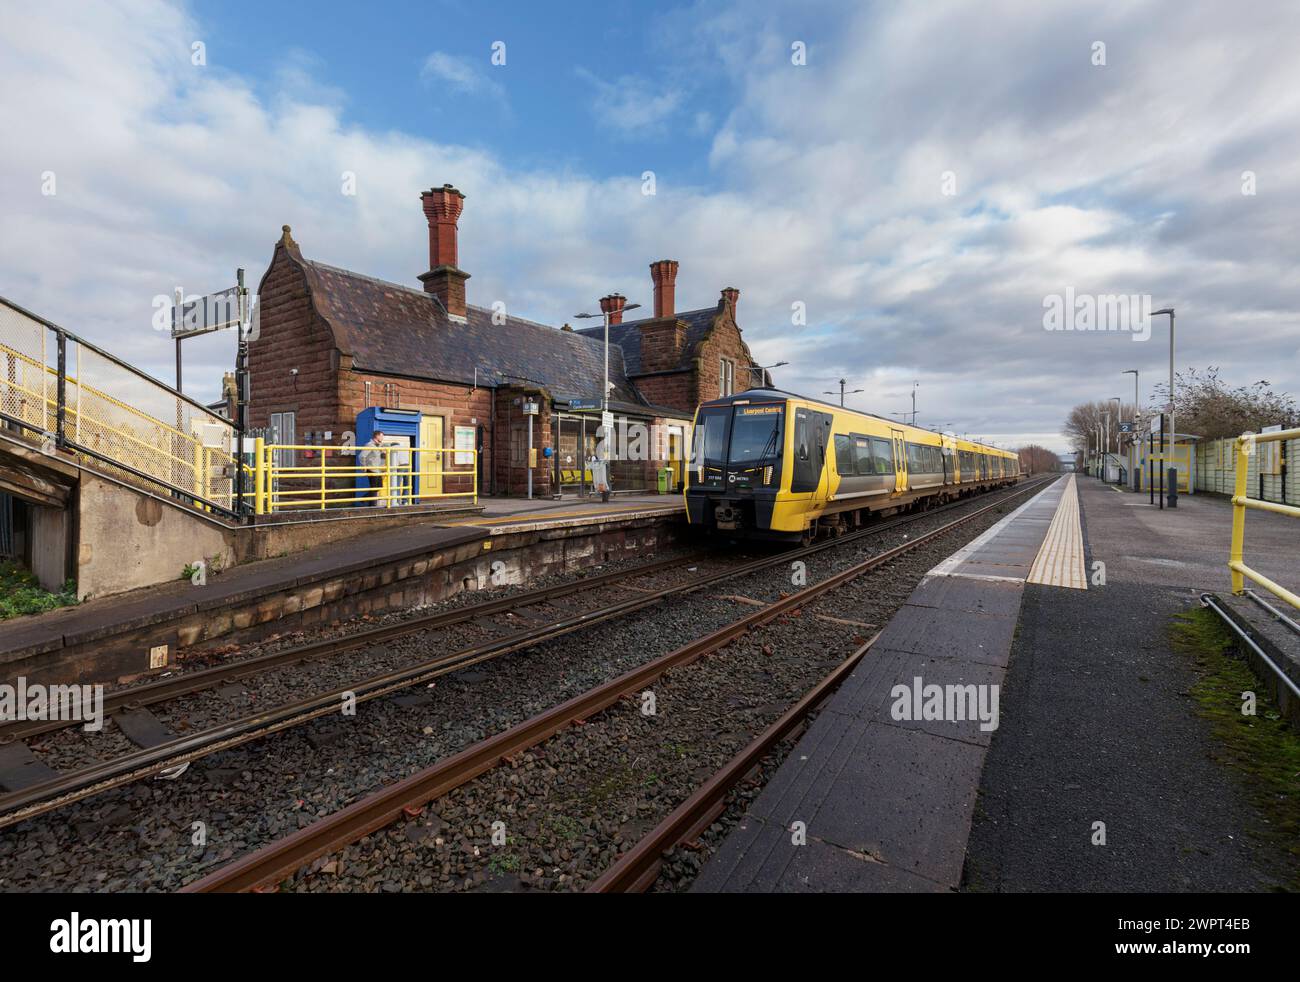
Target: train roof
point(783, 395)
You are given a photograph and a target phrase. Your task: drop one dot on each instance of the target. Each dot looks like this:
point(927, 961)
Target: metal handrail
point(397, 487)
point(1240, 502)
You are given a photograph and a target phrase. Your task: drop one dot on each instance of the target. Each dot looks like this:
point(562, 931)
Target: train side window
point(862, 461)
point(884, 456)
point(801, 434)
point(845, 464)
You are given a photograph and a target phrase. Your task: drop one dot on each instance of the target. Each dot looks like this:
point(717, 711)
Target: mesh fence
point(138, 428)
point(24, 393)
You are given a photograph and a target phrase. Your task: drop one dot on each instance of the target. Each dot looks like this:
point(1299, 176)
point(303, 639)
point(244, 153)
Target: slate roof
point(628, 336)
point(397, 330)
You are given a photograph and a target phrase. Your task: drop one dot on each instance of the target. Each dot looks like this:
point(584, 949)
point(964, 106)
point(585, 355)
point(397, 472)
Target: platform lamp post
point(1173, 430)
point(843, 382)
point(604, 392)
point(1133, 437)
point(604, 389)
point(1119, 415)
point(766, 368)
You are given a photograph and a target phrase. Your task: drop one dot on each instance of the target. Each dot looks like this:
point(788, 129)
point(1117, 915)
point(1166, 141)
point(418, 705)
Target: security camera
point(293, 371)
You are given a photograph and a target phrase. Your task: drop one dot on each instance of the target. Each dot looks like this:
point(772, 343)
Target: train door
point(900, 461)
point(430, 462)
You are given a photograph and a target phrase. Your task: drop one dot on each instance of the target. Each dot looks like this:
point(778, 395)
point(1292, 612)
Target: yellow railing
point(333, 477)
point(1240, 502)
point(138, 441)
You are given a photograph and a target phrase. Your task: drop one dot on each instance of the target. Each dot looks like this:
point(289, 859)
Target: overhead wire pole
point(843, 382)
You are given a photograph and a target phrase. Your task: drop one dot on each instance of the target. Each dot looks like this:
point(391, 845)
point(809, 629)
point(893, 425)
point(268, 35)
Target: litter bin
point(665, 479)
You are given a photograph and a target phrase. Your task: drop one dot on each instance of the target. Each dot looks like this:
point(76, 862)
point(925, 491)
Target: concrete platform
point(395, 566)
point(505, 515)
point(887, 802)
point(1098, 724)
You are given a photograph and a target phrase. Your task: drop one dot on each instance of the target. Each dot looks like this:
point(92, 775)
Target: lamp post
point(1133, 437)
point(764, 368)
point(604, 392)
point(1119, 416)
point(914, 385)
point(1173, 429)
point(843, 382)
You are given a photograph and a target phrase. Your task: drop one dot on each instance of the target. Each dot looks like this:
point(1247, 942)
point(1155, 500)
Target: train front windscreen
point(738, 447)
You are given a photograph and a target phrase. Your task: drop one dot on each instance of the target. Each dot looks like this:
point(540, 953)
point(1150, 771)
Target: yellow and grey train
point(768, 464)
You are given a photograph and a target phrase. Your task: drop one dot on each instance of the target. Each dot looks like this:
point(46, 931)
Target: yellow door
point(430, 456)
point(900, 462)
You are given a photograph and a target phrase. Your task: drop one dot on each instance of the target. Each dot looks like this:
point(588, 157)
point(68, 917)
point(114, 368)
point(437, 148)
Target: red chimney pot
point(664, 274)
point(445, 280)
point(613, 306)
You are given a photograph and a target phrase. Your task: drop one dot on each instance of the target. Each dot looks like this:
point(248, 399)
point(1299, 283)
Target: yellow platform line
point(1060, 558)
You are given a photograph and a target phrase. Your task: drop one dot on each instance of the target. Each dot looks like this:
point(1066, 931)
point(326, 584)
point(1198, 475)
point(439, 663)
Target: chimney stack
point(731, 297)
point(664, 275)
point(445, 280)
point(613, 306)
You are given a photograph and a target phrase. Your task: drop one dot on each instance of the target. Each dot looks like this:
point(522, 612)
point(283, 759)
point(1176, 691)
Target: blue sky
point(921, 185)
point(566, 72)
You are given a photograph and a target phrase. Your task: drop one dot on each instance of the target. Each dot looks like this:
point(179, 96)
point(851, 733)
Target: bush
point(20, 594)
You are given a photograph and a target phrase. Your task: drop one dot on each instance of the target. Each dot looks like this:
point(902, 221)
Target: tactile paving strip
point(1060, 559)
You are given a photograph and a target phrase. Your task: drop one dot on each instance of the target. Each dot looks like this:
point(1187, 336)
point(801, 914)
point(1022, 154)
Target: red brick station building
point(332, 343)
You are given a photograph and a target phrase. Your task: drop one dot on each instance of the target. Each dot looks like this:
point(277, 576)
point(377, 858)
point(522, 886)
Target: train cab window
point(709, 450)
point(756, 436)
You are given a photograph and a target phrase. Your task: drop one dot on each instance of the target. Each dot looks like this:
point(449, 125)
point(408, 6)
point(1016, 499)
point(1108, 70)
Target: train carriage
point(772, 464)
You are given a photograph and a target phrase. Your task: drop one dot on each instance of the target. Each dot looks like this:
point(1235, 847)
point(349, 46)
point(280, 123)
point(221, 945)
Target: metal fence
point(1272, 472)
point(61, 387)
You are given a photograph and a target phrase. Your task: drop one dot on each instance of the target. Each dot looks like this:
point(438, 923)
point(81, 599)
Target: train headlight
point(767, 474)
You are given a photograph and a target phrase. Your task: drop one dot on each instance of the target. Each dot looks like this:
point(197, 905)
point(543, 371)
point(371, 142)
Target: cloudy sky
point(917, 177)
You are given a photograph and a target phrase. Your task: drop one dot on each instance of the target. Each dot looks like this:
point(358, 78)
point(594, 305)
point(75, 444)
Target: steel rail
point(128, 768)
point(188, 683)
point(637, 869)
point(1213, 602)
point(276, 860)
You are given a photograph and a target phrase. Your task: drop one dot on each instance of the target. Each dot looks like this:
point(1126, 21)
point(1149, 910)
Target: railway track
point(277, 860)
point(158, 749)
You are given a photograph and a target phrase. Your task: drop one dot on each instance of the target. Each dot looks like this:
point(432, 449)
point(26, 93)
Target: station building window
point(726, 377)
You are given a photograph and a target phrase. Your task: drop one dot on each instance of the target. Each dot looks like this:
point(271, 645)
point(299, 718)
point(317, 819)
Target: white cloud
point(826, 189)
point(631, 105)
point(460, 74)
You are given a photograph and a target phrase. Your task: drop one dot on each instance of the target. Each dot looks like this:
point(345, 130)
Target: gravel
point(159, 835)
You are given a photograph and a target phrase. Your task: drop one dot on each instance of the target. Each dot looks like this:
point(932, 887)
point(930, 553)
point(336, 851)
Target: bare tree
point(1210, 409)
point(1086, 427)
point(1038, 460)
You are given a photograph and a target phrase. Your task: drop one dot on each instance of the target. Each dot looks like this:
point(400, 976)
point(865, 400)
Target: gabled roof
point(628, 336)
point(392, 329)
